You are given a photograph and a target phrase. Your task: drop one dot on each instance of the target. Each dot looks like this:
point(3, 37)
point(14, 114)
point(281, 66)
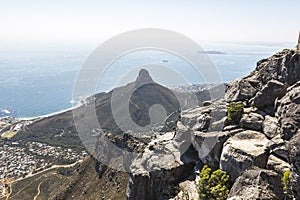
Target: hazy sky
point(97, 20)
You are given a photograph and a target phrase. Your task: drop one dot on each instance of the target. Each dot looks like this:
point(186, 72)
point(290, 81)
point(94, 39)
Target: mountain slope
point(47, 129)
point(60, 129)
point(89, 183)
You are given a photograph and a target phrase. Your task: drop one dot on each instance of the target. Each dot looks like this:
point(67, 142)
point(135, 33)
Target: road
point(39, 190)
point(30, 175)
point(50, 168)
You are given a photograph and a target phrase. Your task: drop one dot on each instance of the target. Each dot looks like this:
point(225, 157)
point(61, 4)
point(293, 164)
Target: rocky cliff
point(255, 149)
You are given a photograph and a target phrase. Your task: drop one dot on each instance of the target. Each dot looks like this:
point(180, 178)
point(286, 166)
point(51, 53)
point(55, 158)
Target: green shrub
point(235, 112)
point(213, 185)
point(286, 182)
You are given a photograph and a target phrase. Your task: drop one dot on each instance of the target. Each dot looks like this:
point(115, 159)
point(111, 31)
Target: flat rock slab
point(257, 183)
point(242, 151)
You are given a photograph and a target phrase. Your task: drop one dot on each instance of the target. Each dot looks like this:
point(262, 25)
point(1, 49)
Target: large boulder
point(277, 165)
point(239, 90)
point(270, 126)
point(208, 118)
point(252, 121)
point(256, 183)
point(195, 117)
point(242, 151)
point(288, 112)
point(277, 147)
point(283, 66)
point(203, 122)
point(266, 97)
point(209, 145)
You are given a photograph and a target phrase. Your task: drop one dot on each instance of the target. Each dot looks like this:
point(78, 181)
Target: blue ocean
point(37, 81)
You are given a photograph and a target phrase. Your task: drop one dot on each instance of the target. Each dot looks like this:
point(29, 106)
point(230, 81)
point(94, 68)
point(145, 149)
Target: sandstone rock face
point(256, 183)
point(252, 121)
point(255, 153)
point(206, 124)
point(270, 126)
point(274, 74)
point(208, 118)
point(203, 122)
point(283, 66)
point(270, 76)
point(194, 118)
point(288, 112)
point(294, 158)
point(266, 97)
point(277, 165)
point(164, 163)
point(242, 151)
point(249, 157)
point(239, 90)
point(277, 147)
point(209, 145)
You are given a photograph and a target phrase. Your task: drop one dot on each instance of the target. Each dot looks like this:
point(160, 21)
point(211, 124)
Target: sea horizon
point(40, 82)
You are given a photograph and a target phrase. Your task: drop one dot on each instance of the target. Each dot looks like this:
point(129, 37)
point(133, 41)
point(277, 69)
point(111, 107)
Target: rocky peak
point(143, 78)
point(283, 67)
point(298, 45)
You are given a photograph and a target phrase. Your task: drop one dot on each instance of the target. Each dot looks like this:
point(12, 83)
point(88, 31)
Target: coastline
point(53, 113)
point(14, 124)
point(42, 116)
point(46, 115)
point(75, 105)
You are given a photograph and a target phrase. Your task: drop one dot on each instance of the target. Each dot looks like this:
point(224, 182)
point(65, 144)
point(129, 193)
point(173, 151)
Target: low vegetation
point(27, 188)
point(185, 194)
point(181, 193)
point(213, 185)
point(286, 183)
point(235, 112)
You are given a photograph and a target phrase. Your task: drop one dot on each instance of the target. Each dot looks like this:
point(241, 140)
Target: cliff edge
point(254, 148)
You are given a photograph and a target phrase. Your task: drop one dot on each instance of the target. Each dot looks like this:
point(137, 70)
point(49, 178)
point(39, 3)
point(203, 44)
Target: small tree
point(203, 185)
point(213, 185)
point(286, 183)
point(219, 182)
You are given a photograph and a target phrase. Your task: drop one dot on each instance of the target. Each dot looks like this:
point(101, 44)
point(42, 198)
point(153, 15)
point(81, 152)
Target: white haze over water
point(40, 81)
